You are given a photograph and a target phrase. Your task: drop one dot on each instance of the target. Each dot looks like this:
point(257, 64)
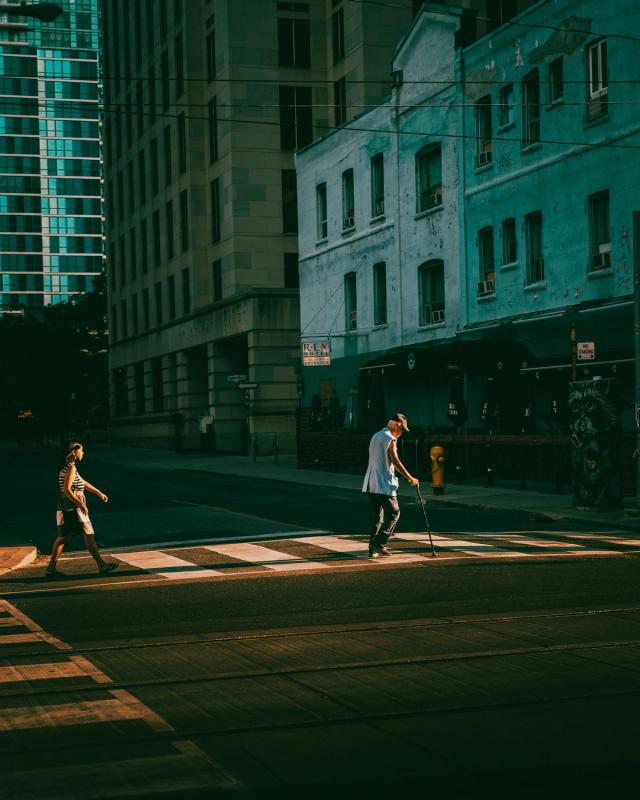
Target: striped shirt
point(77, 485)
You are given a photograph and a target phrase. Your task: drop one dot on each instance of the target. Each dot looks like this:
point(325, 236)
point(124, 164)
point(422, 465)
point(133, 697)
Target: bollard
point(458, 474)
point(437, 469)
point(489, 477)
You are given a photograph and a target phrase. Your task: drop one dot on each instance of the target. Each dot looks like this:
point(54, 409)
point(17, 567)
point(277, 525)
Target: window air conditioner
point(378, 209)
point(434, 199)
point(348, 222)
point(601, 260)
point(484, 158)
point(437, 316)
point(486, 287)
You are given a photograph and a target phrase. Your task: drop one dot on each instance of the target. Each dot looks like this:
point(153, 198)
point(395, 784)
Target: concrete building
point(530, 224)
point(380, 258)
point(51, 225)
point(207, 100)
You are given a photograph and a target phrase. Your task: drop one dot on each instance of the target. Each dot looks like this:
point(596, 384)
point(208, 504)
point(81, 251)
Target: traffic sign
point(586, 351)
point(247, 386)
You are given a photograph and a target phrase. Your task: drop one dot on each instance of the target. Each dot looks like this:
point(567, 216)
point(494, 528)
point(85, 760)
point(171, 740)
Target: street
point(268, 655)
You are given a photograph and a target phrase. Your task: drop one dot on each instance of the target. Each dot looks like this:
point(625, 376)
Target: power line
point(436, 135)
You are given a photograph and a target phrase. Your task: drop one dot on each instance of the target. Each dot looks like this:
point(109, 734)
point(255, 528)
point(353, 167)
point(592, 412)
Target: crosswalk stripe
point(552, 545)
point(160, 563)
point(271, 559)
point(37, 633)
point(338, 544)
point(74, 667)
point(121, 706)
point(459, 545)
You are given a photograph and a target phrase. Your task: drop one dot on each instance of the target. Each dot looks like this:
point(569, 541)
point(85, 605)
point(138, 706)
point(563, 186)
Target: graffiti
point(595, 445)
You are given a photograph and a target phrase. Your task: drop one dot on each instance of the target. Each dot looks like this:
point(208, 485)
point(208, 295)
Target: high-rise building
point(206, 103)
point(51, 229)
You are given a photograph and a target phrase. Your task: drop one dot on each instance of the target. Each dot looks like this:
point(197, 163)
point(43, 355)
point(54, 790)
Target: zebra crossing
point(325, 552)
point(39, 713)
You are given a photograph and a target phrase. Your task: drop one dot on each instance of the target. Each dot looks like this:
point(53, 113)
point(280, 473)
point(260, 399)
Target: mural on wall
point(595, 444)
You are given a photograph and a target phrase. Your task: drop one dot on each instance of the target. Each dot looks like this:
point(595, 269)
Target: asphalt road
point(486, 676)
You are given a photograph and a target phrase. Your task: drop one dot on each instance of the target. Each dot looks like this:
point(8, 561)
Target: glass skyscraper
point(51, 217)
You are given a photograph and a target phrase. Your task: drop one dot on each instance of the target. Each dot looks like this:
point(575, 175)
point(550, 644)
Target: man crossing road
point(381, 483)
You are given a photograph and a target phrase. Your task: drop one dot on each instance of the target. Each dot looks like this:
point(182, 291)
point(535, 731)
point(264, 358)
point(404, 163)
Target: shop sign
point(586, 351)
point(316, 354)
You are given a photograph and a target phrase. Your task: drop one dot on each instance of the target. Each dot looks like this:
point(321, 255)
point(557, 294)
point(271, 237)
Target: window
point(505, 107)
point(164, 73)
point(337, 35)
point(294, 43)
point(531, 109)
point(348, 204)
point(168, 170)
point(340, 101)
point(145, 308)
point(484, 153)
point(186, 291)
point(171, 287)
point(429, 178)
point(380, 294)
point(213, 130)
point(134, 313)
point(170, 236)
point(211, 56)
point(216, 280)
point(182, 143)
point(533, 240)
point(156, 385)
point(599, 231)
point(120, 391)
point(123, 316)
point(142, 176)
point(556, 80)
point(486, 283)
point(509, 244)
point(296, 118)
point(155, 176)
point(139, 386)
point(289, 202)
point(144, 248)
point(132, 252)
point(156, 238)
point(216, 216)
point(431, 293)
point(350, 302)
point(131, 184)
point(158, 292)
point(597, 79)
point(178, 54)
point(377, 185)
point(321, 210)
point(184, 220)
point(123, 261)
point(113, 322)
point(291, 275)
point(151, 79)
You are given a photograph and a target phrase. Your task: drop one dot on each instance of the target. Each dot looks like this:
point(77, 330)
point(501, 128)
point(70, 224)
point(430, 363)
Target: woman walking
point(73, 515)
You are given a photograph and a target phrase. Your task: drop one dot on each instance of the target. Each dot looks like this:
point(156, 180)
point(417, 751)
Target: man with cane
point(381, 483)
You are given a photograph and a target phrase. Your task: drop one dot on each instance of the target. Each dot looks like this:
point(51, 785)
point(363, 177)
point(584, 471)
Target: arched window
point(431, 292)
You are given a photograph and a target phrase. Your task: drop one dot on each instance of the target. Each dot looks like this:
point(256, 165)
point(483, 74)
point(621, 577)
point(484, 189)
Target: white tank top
point(381, 475)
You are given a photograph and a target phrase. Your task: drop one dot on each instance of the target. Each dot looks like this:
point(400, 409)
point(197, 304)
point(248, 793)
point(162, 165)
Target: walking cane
point(424, 511)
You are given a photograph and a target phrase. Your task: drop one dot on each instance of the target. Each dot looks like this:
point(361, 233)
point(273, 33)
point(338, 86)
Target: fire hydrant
point(437, 469)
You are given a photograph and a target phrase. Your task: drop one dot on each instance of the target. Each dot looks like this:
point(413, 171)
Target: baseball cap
point(398, 417)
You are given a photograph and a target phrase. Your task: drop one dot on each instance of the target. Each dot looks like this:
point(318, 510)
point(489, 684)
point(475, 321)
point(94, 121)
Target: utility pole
point(574, 351)
point(636, 341)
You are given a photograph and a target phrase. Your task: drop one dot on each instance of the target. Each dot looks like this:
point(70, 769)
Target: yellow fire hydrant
point(437, 469)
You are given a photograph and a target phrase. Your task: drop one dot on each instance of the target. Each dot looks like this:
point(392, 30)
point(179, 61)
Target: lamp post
point(636, 341)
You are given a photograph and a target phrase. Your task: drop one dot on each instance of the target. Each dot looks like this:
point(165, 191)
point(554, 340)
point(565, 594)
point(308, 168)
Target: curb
point(23, 556)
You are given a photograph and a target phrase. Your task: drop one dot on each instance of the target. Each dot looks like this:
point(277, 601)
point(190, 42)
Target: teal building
point(51, 220)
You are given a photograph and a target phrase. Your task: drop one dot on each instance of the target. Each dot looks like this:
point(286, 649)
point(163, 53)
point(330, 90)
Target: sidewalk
point(545, 505)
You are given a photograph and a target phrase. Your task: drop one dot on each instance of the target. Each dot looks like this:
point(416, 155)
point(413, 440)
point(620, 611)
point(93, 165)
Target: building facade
point(206, 102)
point(508, 226)
point(51, 221)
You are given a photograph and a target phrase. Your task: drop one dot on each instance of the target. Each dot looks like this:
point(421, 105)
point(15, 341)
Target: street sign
point(586, 351)
point(316, 354)
point(236, 378)
point(247, 386)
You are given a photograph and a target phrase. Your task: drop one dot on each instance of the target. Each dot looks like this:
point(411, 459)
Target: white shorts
point(83, 519)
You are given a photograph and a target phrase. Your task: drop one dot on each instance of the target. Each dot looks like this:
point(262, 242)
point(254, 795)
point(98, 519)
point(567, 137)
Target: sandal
point(109, 568)
point(53, 573)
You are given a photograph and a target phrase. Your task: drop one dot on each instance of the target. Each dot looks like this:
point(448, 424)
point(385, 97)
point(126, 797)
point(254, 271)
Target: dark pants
point(385, 513)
